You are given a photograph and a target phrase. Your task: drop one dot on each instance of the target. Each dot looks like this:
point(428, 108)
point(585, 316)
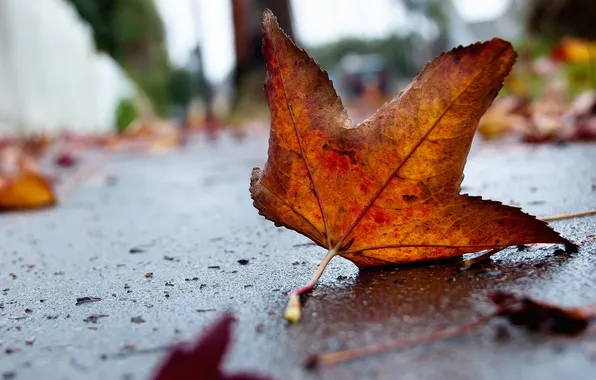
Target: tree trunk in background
point(249, 73)
point(558, 18)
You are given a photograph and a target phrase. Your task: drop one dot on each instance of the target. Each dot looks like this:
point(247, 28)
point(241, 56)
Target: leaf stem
point(467, 264)
point(358, 353)
point(569, 216)
point(292, 313)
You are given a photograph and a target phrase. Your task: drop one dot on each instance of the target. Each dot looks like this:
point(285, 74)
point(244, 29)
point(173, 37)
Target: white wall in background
point(473, 20)
point(51, 77)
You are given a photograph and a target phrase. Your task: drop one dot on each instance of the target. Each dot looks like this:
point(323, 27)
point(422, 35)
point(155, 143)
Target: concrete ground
point(187, 218)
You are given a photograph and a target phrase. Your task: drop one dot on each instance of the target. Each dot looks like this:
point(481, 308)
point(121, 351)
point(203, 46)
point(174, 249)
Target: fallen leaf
point(66, 159)
point(149, 137)
point(22, 186)
point(204, 359)
point(504, 116)
point(386, 191)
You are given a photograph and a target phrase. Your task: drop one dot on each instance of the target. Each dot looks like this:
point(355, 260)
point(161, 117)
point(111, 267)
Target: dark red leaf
point(66, 159)
point(203, 360)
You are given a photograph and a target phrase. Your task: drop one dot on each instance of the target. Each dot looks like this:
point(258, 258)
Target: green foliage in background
point(396, 51)
point(393, 51)
point(125, 114)
point(132, 32)
point(184, 85)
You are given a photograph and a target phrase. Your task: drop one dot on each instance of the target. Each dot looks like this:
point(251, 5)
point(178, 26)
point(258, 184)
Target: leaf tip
point(570, 247)
point(268, 14)
point(269, 20)
point(479, 46)
point(497, 51)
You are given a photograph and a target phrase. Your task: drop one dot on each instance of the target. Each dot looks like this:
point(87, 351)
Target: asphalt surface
point(188, 218)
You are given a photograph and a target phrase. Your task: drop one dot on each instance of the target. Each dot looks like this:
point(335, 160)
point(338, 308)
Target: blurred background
point(102, 66)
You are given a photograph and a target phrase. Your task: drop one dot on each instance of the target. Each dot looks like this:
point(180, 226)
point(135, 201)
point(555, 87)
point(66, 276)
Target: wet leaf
point(386, 191)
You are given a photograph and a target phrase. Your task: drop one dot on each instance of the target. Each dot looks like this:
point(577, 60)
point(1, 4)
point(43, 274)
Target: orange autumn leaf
point(147, 137)
point(24, 188)
point(386, 191)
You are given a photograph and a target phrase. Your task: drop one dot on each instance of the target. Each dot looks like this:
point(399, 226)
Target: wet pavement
point(161, 238)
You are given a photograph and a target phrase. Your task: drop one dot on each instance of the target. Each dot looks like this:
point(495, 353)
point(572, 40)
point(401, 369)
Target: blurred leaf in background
point(125, 114)
point(393, 51)
point(183, 86)
point(551, 94)
point(560, 45)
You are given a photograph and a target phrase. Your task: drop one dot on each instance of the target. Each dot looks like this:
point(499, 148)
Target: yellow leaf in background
point(25, 190)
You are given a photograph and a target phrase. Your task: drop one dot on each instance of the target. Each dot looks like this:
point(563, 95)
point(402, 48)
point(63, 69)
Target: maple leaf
point(22, 186)
point(386, 191)
point(203, 361)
